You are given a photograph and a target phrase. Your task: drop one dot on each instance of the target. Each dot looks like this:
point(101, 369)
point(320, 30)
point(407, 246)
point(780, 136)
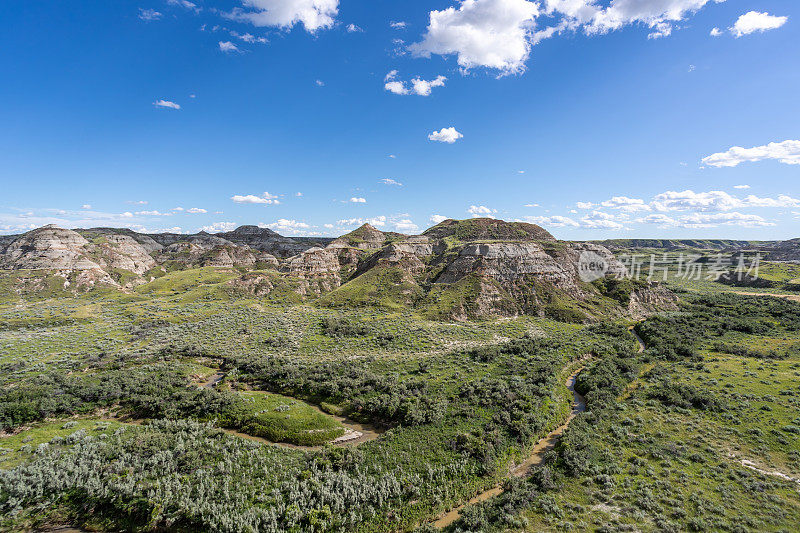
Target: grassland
point(700, 432)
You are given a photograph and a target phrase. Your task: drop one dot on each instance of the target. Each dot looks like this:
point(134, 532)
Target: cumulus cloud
point(375, 221)
point(152, 214)
point(219, 227)
point(690, 200)
point(715, 32)
point(196, 211)
point(436, 219)
point(416, 86)
point(227, 47)
point(166, 104)
point(555, 221)
point(482, 33)
point(249, 38)
point(715, 201)
point(312, 14)
point(755, 21)
point(358, 200)
point(149, 15)
point(290, 227)
point(741, 186)
point(705, 220)
point(445, 135)
point(185, 4)
point(86, 206)
point(266, 199)
point(787, 152)
point(398, 25)
point(352, 28)
point(659, 15)
point(480, 211)
point(405, 225)
point(626, 204)
point(390, 181)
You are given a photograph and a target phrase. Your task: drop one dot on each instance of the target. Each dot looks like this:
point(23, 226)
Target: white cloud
point(219, 227)
point(312, 14)
point(375, 221)
point(600, 220)
point(705, 220)
point(659, 219)
point(392, 156)
point(715, 32)
point(290, 227)
point(196, 211)
point(227, 46)
point(417, 86)
point(320, 83)
point(482, 33)
point(86, 206)
point(741, 186)
point(659, 15)
point(445, 135)
point(177, 209)
point(405, 226)
point(584, 205)
point(185, 4)
point(152, 214)
point(436, 219)
point(149, 15)
point(390, 181)
point(136, 202)
point(690, 200)
point(787, 152)
point(166, 104)
point(352, 28)
point(531, 205)
point(358, 200)
point(715, 201)
point(398, 25)
point(266, 199)
point(781, 201)
point(555, 221)
point(626, 204)
point(754, 21)
point(480, 211)
point(249, 38)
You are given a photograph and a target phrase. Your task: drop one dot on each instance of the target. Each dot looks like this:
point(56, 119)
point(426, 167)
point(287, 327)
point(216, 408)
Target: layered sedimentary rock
point(472, 268)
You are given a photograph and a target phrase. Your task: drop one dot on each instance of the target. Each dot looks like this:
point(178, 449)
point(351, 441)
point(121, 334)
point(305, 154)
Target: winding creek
point(535, 457)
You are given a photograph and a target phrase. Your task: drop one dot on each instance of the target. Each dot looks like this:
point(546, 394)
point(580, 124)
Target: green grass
point(282, 419)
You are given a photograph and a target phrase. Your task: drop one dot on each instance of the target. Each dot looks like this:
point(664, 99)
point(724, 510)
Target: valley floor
point(185, 410)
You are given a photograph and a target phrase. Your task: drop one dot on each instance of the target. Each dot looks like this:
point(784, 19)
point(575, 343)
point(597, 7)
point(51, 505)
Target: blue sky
point(595, 119)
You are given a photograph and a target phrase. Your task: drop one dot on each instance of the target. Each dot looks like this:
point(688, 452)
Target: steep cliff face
point(477, 268)
point(122, 251)
point(652, 299)
point(317, 269)
point(49, 248)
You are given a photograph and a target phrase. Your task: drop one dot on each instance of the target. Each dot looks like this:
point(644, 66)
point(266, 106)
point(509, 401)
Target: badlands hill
point(458, 269)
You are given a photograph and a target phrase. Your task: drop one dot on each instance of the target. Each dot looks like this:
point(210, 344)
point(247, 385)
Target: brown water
point(535, 457)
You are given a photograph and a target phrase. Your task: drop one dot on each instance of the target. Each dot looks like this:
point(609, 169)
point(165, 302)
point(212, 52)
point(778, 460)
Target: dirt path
point(792, 297)
point(535, 457)
point(638, 339)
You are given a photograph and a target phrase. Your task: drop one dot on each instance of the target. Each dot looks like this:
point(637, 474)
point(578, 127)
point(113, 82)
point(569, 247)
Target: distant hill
point(458, 269)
